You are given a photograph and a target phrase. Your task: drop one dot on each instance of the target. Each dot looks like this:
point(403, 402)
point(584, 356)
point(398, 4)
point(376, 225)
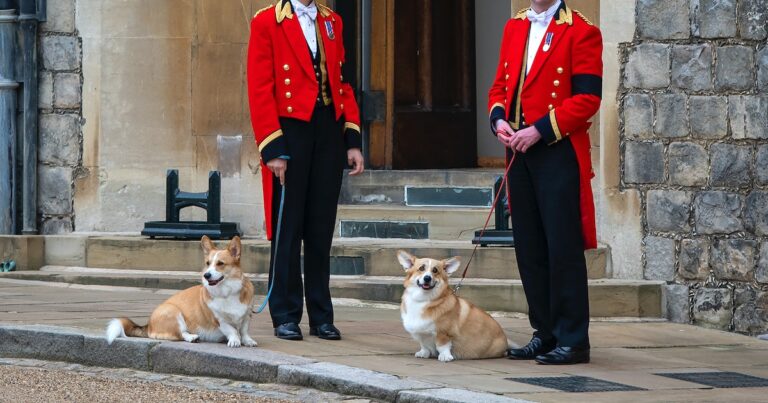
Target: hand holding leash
point(278, 166)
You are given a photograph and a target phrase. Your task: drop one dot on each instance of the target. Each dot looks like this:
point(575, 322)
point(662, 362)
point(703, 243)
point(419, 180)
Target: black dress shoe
point(327, 331)
point(564, 356)
point(288, 331)
point(534, 348)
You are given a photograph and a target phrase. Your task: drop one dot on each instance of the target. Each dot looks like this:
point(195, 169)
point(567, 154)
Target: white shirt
point(307, 16)
point(539, 24)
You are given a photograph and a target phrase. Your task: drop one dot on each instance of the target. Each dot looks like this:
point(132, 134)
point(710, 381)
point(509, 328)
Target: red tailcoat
point(560, 93)
point(282, 82)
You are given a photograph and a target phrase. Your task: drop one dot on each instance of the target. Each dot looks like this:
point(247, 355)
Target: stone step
point(372, 257)
point(438, 223)
point(387, 187)
point(608, 298)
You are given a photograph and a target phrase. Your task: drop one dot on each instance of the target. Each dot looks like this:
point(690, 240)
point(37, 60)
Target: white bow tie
point(540, 18)
point(310, 11)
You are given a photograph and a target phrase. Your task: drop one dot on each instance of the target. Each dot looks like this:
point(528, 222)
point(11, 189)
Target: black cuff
point(274, 149)
point(587, 84)
point(545, 128)
point(497, 113)
point(353, 139)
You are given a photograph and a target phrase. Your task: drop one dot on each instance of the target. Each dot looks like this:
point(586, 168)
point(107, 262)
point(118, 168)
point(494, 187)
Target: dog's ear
point(452, 264)
point(405, 259)
point(235, 248)
point(207, 244)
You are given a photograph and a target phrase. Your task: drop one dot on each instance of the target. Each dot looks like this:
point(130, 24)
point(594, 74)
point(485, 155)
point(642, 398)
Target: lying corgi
point(445, 325)
point(215, 311)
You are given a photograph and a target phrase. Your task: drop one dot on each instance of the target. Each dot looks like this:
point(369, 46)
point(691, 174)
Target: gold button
point(341, 106)
point(286, 67)
point(506, 64)
point(290, 109)
point(551, 107)
point(554, 95)
point(288, 95)
point(341, 78)
point(507, 77)
point(287, 81)
point(340, 63)
point(567, 134)
point(559, 70)
point(506, 88)
point(341, 91)
point(556, 83)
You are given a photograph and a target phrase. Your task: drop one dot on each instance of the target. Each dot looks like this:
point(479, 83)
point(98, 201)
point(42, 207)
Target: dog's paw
point(423, 353)
point(233, 342)
point(445, 357)
point(249, 342)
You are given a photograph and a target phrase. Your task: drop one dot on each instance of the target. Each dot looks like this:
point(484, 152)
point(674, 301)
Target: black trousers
point(546, 222)
point(312, 186)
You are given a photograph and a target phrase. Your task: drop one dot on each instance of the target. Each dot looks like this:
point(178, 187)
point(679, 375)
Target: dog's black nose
point(207, 275)
point(427, 279)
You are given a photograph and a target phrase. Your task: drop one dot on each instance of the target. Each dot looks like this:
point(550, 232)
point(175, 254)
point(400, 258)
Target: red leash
point(487, 220)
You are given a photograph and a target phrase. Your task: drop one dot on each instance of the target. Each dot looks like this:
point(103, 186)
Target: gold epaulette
point(262, 10)
point(325, 11)
point(521, 14)
point(583, 17)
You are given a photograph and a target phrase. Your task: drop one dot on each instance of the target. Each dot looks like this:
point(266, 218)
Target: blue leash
point(274, 256)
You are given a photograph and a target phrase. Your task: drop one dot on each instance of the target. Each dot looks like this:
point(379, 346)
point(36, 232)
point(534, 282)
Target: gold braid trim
point(269, 139)
point(555, 127)
point(325, 11)
point(262, 10)
point(583, 17)
point(521, 14)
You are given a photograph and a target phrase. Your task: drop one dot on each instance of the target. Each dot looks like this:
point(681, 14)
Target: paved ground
point(632, 354)
point(42, 381)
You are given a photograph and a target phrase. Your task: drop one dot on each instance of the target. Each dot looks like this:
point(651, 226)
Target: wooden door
point(422, 67)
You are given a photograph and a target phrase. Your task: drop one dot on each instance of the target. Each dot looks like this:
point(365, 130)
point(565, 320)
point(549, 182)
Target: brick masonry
point(61, 118)
point(694, 135)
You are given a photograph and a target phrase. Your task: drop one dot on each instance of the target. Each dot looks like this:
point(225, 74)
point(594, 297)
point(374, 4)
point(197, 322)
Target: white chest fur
point(413, 317)
point(225, 302)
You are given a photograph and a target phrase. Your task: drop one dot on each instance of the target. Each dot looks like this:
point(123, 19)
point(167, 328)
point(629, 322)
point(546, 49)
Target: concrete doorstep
point(54, 343)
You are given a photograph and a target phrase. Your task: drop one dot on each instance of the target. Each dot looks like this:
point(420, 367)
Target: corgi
point(217, 310)
point(446, 326)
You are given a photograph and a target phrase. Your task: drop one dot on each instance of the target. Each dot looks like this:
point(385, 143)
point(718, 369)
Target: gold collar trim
point(283, 10)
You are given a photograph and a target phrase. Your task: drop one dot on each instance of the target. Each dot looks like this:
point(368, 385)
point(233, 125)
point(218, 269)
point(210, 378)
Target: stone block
point(663, 19)
point(671, 116)
point(67, 90)
point(60, 17)
point(45, 90)
point(218, 360)
point(668, 211)
point(714, 18)
point(761, 274)
point(730, 164)
point(648, 66)
point(60, 52)
point(756, 212)
point(734, 68)
point(751, 313)
point(40, 342)
point(688, 164)
point(762, 70)
point(638, 116)
point(54, 190)
point(718, 212)
point(659, 258)
point(445, 395)
point(748, 116)
point(348, 380)
point(677, 303)
point(713, 308)
point(60, 139)
point(708, 116)
point(57, 226)
point(733, 259)
point(65, 250)
point(643, 162)
point(694, 259)
point(753, 19)
point(761, 165)
point(692, 67)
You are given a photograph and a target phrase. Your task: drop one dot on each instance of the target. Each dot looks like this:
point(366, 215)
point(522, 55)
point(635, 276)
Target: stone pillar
point(8, 89)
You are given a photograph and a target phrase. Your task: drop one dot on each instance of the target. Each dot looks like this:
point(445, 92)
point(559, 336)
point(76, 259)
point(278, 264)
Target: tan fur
point(472, 332)
point(192, 304)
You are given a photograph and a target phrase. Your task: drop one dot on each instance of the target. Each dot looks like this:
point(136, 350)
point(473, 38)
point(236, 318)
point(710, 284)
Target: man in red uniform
point(305, 119)
point(547, 86)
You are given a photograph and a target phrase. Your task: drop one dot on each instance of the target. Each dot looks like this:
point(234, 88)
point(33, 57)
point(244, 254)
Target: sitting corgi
point(215, 311)
point(445, 325)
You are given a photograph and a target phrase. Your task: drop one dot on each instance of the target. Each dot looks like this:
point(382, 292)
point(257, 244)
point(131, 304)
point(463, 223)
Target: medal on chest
point(329, 30)
point(548, 41)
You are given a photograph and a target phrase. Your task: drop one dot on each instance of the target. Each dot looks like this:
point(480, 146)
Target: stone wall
point(694, 140)
point(60, 100)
